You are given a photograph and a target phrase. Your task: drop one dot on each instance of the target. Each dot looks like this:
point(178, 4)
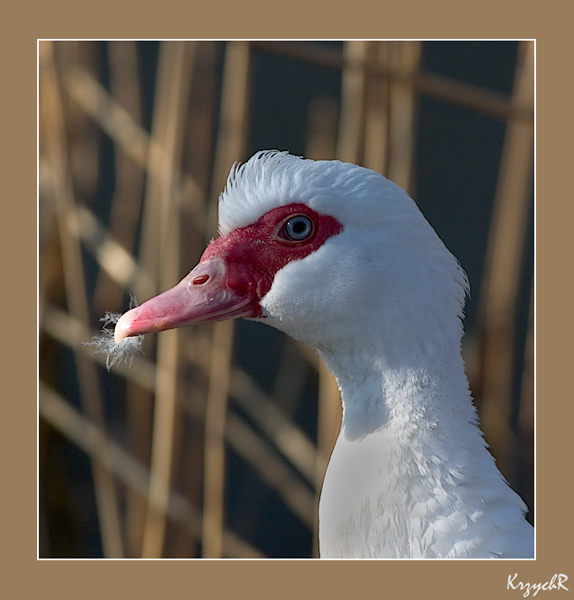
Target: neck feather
point(409, 459)
point(408, 396)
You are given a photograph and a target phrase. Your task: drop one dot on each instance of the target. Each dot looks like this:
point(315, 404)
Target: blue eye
point(297, 228)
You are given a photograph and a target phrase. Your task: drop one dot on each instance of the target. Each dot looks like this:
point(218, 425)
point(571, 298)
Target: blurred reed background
point(215, 442)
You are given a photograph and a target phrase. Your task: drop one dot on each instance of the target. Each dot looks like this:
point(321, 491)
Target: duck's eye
point(297, 228)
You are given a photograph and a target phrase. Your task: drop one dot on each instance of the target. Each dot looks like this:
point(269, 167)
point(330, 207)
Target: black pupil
point(299, 228)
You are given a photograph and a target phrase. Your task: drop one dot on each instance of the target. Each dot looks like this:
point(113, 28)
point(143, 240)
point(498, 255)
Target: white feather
point(116, 353)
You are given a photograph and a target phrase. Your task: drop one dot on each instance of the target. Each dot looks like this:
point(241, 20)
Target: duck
point(340, 258)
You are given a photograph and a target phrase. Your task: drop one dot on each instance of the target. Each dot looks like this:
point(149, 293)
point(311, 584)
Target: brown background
point(24, 576)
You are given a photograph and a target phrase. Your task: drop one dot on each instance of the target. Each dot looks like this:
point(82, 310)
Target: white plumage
point(381, 299)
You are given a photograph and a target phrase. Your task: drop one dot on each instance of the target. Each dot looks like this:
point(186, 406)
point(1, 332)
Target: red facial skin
point(233, 275)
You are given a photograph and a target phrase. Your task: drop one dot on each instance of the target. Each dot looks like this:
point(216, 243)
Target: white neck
point(410, 465)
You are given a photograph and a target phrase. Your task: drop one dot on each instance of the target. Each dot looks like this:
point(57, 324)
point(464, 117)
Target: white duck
point(341, 258)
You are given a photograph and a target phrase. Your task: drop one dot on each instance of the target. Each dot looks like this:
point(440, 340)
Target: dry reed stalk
point(109, 115)
point(293, 444)
point(378, 108)
point(198, 152)
point(63, 417)
point(404, 56)
point(377, 115)
point(125, 88)
point(230, 146)
point(260, 450)
point(272, 469)
point(266, 456)
point(233, 120)
point(128, 135)
point(215, 428)
point(322, 128)
point(287, 390)
point(505, 254)
point(350, 141)
point(436, 86)
point(162, 247)
point(86, 436)
point(55, 146)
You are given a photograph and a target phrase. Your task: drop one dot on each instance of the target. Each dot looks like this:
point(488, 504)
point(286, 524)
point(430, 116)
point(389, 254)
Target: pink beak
point(202, 295)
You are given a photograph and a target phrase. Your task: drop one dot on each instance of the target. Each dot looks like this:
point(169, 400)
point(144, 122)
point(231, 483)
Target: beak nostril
point(200, 279)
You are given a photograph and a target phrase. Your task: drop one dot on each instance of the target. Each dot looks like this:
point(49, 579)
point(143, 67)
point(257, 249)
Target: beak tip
point(121, 330)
